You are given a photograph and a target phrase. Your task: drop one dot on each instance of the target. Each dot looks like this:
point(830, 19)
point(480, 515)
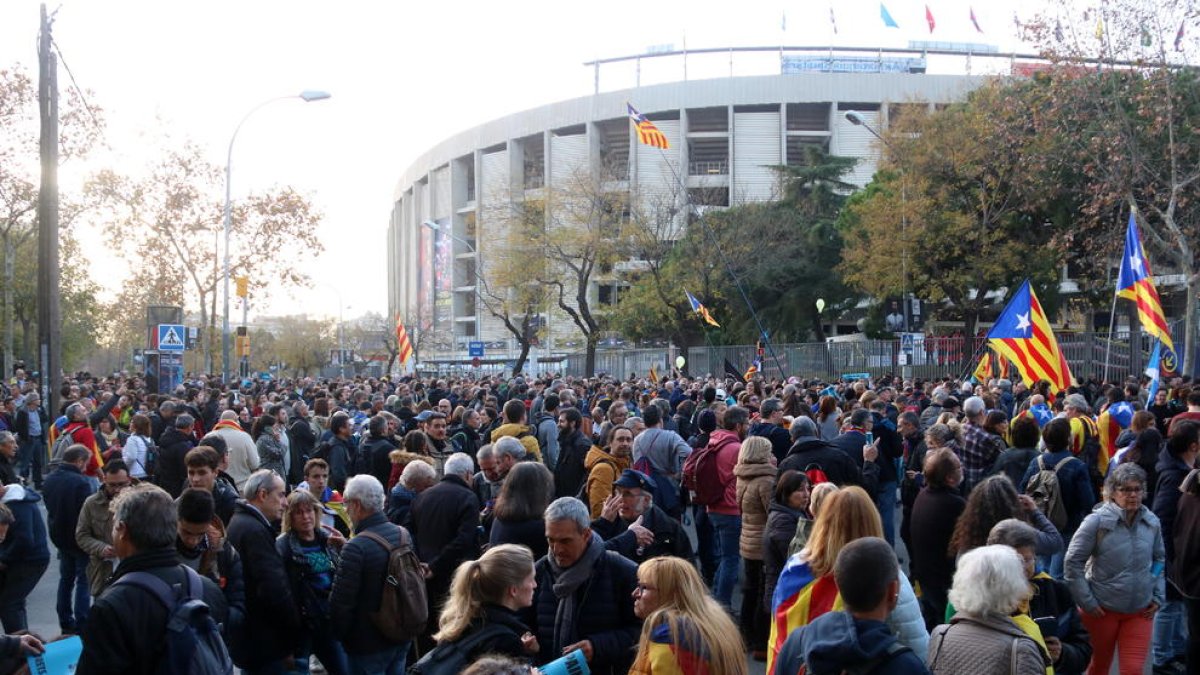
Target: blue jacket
point(604, 614)
point(65, 491)
point(836, 642)
point(1074, 483)
point(26, 542)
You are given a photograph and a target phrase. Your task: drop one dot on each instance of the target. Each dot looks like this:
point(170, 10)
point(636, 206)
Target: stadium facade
point(725, 134)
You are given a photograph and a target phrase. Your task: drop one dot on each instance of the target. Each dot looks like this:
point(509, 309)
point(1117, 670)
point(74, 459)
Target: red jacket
point(726, 459)
point(82, 434)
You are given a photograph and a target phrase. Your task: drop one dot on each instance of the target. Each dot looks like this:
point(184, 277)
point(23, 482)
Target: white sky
point(403, 74)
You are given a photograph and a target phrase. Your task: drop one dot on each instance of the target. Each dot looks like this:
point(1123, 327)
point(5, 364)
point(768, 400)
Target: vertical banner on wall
point(443, 286)
point(424, 282)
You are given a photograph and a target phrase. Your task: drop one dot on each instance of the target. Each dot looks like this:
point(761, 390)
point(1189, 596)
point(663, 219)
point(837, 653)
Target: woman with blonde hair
point(807, 589)
point(755, 474)
point(684, 630)
point(481, 612)
point(817, 496)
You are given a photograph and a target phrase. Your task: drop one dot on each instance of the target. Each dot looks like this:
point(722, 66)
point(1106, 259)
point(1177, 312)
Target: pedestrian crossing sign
point(170, 337)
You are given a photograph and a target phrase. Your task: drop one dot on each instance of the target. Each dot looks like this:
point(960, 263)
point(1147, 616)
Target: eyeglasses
point(1131, 489)
point(642, 588)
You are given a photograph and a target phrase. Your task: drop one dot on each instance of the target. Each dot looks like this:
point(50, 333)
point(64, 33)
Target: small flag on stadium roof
point(929, 19)
point(975, 21)
point(647, 133)
point(887, 17)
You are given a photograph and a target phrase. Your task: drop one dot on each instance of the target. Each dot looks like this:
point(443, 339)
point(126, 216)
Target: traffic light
point(243, 287)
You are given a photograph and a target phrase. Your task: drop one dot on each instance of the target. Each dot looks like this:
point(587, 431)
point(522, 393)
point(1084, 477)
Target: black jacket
point(373, 455)
point(781, 441)
point(358, 587)
point(1053, 599)
point(127, 625)
point(301, 439)
point(65, 490)
point(1171, 472)
point(528, 533)
point(569, 472)
point(603, 614)
point(777, 537)
point(837, 465)
point(21, 423)
point(669, 537)
point(171, 471)
point(272, 620)
point(507, 643)
point(313, 606)
point(341, 455)
point(445, 523)
point(225, 499)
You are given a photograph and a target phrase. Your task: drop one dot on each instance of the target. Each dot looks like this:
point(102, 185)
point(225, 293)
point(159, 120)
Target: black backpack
point(451, 658)
point(193, 643)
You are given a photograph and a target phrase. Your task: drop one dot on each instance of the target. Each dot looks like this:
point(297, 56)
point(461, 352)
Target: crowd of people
point(689, 525)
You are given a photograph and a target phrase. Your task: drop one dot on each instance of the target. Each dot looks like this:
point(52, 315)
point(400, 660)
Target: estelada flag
point(1022, 335)
point(799, 598)
point(1111, 423)
point(1136, 282)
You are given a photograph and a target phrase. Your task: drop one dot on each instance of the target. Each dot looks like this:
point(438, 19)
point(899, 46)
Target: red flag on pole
point(975, 21)
point(929, 19)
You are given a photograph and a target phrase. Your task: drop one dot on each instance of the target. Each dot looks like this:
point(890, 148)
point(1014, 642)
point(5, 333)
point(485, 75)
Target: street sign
point(902, 359)
point(170, 337)
point(475, 349)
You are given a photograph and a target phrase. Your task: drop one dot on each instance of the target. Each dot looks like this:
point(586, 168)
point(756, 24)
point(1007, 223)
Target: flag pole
point(728, 267)
point(1112, 322)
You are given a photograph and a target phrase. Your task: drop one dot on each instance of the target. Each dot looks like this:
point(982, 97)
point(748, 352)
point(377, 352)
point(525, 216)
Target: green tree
point(1124, 133)
point(952, 215)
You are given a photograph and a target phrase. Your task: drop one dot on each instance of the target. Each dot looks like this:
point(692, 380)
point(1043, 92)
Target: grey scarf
point(566, 583)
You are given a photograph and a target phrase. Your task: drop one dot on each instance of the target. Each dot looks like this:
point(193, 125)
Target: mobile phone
point(1048, 625)
point(870, 438)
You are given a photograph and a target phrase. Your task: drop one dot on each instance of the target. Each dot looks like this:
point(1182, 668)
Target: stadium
point(725, 132)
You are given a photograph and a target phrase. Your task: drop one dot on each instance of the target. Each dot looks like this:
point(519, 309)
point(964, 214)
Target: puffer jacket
point(755, 483)
point(781, 527)
point(1109, 563)
point(270, 452)
point(984, 645)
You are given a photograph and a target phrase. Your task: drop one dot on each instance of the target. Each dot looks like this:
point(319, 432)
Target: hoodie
point(836, 642)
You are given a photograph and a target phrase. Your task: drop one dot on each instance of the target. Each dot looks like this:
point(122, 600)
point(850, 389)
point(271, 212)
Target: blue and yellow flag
point(1136, 283)
point(799, 598)
point(700, 309)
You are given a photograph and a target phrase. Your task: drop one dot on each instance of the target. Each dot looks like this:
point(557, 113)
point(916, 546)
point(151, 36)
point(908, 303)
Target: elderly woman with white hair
point(982, 639)
point(1114, 567)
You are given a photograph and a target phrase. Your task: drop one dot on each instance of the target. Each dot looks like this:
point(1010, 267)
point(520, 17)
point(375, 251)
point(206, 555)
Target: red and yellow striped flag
point(648, 134)
point(403, 346)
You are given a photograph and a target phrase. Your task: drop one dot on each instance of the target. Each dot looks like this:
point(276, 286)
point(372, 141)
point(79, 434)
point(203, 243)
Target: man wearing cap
point(633, 526)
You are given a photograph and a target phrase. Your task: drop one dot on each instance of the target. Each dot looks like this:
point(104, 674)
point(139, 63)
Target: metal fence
point(922, 357)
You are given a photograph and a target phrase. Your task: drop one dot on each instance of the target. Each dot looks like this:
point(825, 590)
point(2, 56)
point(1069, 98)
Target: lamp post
point(307, 96)
point(856, 118)
point(478, 278)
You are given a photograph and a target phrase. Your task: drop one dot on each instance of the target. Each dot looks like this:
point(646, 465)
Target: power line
point(83, 99)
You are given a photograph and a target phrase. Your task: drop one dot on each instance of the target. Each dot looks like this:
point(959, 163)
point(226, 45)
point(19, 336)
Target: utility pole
point(49, 312)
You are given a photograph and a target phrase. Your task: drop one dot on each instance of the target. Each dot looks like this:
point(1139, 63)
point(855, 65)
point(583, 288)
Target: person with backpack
point(375, 620)
point(660, 454)
point(858, 639)
point(545, 425)
point(139, 451)
point(481, 614)
point(76, 432)
point(1060, 485)
point(822, 462)
point(174, 611)
point(709, 473)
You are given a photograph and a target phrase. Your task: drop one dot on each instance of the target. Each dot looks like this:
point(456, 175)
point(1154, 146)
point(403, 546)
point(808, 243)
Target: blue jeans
point(885, 501)
point(30, 456)
point(726, 532)
point(19, 581)
point(387, 662)
point(1170, 632)
point(72, 576)
point(329, 651)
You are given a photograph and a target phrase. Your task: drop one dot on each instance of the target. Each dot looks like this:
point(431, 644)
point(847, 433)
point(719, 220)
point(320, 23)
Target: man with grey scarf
point(584, 596)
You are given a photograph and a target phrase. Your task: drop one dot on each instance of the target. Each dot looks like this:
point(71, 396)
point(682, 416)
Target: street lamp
point(856, 118)
point(308, 96)
point(478, 279)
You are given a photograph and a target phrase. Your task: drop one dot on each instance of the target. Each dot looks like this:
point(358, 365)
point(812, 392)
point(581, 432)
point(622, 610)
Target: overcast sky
point(403, 75)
